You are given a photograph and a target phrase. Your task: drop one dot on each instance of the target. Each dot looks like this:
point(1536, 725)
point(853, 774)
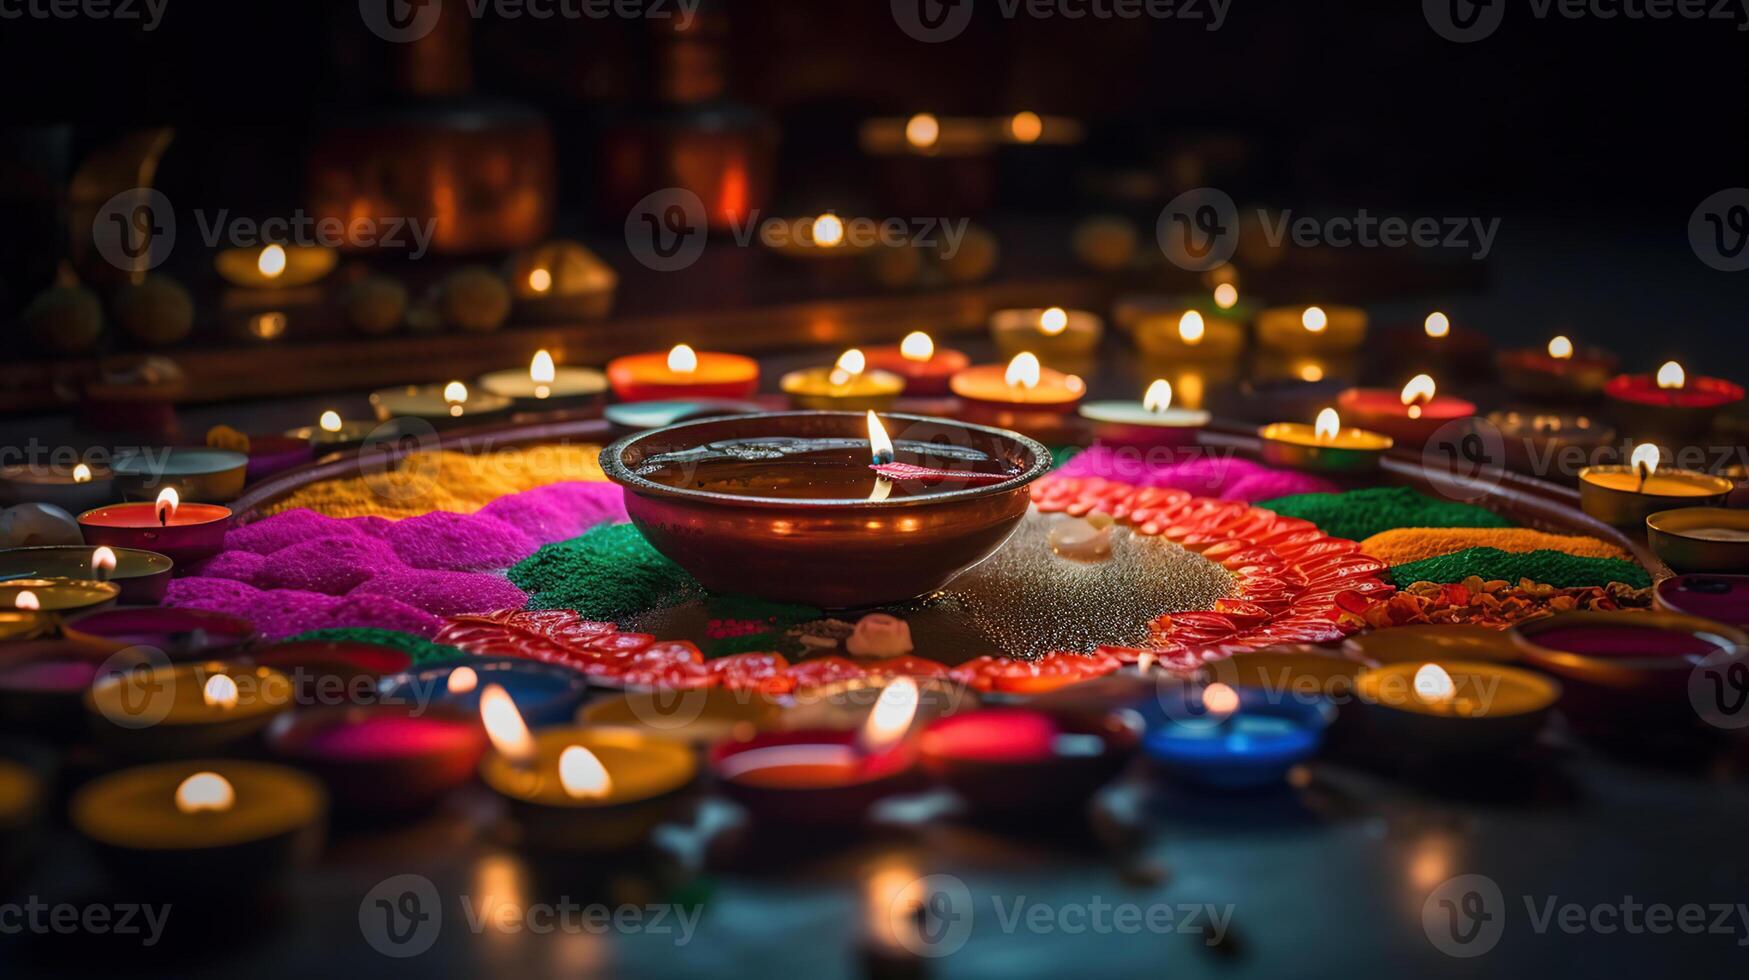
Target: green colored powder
point(1556, 568)
point(1360, 514)
point(610, 575)
point(422, 651)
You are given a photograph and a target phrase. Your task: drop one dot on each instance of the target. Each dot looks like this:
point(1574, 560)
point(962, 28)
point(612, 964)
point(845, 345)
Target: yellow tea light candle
point(1055, 334)
point(1453, 707)
point(448, 402)
point(1692, 540)
point(1624, 496)
point(57, 595)
point(1191, 335)
point(545, 384)
point(1325, 446)
point(1312, 329)
point(275, 266)
point(177, 711)
point(848, 385)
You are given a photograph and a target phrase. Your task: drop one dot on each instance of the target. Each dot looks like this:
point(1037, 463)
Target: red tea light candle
point(75, 488)
point(546, 385)
point(823, 778)
point(682, 373)
point(183, 711)
point(848, 385)
point(1022, 763)
point(1312, 329)
point(1023, 396)
point(202, 829)
point(186, 533)
point(1323, 447)
point(1146, 424)
point(1453, 708)
point(1191, 335)
point(381, 758)
point(1670, 403)
point(1561, 372)
point(1437, 343)
point(927, 370)
point(1055, 335)
point(1624, 496)
point(1410, 417)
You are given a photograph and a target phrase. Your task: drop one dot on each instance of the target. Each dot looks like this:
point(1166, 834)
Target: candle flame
point(455, 392)
point(1437, 325)
point(1159, 396)
point(582, 774)
point(852, 362)
point(1311, 373)
point(542, 370)
point(1314, 319)
point(1328, 426)
point(1645, 460)
point(828, 230)
point(504, 725)
point(1433, 685)
point(682, 359)
point(1226, 296)
point(1417, 393)
point(220, 692)
point(540, 280)
point(1561, 349)
point(168, 501)
point(205, 791)
point(880, 446)
point(81, 473)
point(462, 680)
point(1053, 321)
point(917, 346)
point(1220, 700)
point(1191, 328)
point(1026, 126)
point(103, 563)
point(272, 261)
point(892, 715)
point(1024, 371)
point(1671, 375)
point(922, 130)
point(27, 601)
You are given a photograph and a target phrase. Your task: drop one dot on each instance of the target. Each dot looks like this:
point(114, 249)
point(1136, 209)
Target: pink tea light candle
point(1411, 416)
point(1670, 402)
point(186, 533)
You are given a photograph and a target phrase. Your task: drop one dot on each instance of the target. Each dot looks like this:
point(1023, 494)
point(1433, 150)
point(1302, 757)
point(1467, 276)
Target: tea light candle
point(1325, 446)
point(927, 370)
point(1024, 396)
point(1410, 417)
point(1021, 763)
point(1624, 496)
point(1671, 403)
point(1453, 707)
point(1233, 738)
point(581, 789)
point(437, 403)
point(1054, 334)
point(197, 474)
point(1191, 335)
point(1437, 343)
point(1560, 372)
point(822, 238)
point(180, 634)
point(1539, 442)
point(1700, 539)
point(275, 266)
point(186, 533)
point(1145, 424)
point(142, 576)
point(331, 431)
point(42, 692)
point(323, 671)
point(546, 385)
point(1720, 598)
point(683, 373)
point(187, 710)
point(701, 719)
point(847, 386)
point(1625, 668)
point(544, 694)
point(56, 595)
point(19, 624)
point(382, 758)
point(201, 828)
point(74, 488)
point(1312, 329)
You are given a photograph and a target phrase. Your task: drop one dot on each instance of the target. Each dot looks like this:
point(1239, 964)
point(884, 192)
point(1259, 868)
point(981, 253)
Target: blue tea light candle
point(1233, 738)
point(545, 694)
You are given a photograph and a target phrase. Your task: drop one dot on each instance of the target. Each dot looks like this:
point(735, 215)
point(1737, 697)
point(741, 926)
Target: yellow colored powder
point(1409, 544)
point(444, 480)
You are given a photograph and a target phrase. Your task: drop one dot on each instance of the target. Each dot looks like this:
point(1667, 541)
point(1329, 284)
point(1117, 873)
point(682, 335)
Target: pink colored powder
point(331, 566)
point(268, 535)
point(379, 612)
point(445, 593)
point(238, 566)
point(459, 542)
point(1228, 478)
point(560, 511)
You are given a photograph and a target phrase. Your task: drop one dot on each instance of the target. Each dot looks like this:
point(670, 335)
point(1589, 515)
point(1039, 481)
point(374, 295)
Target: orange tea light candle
point(1312, 329)
point(185, 533)
point(275, 266)
point(545, 384)
point(1454, 707)
point(1053, 334)
point(682, 373)
point(847, 386)
point(1148, 423)
point(1325, 446)
point(187, 710)
point(927, 369)
point(1023, 396)
point(1410, 416)
point(1624, 496)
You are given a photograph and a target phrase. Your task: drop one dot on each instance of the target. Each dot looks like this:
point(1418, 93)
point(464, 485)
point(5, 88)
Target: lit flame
point(682, 359)
point(1315, 319)
point(1311, 372)
point(1437, 325)
point(540, 280)
point(917, 346)
point(541, 370)
point(1226, 296)
point(1027, 127)
point(1024, 371)
point(1433, 685)
point(583, 775)
point(205, 791)
point(852, 362)
point(456, 394)
point(1159, 396)
point(220, 692)
point(1220, 700)
point(27, 601)
point(892, 714)
point(504, 725)
point(922, 130)
point(1561, 348)
point(272, 261)
point(1645, 460)
point(462, 680)
point(828, 230)
point(1053, 321)
point(1191, 328)
point(1328, 426)
point(168, 501)
point(81, 473)
point(103, 563)
point(330, 421)
point(1417, 393)
point(879, 445)
point(1671, 375)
